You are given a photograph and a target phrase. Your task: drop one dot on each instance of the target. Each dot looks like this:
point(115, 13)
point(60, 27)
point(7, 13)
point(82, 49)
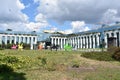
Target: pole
point(102, 36)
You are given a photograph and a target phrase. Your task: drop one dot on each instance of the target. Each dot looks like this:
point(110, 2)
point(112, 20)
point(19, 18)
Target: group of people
point(19, 46)
point(67, 47)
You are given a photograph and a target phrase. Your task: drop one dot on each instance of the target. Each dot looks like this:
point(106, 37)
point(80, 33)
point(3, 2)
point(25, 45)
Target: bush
point(1, 48)
point(51, 66)
point(44, 61)
point(75, 64)
point(5, 68)
point(112, 49)
point(11, 59)
point(15, 62)
point(8, 46)
point(26, 46)
point(116, 54)
point(101, 56)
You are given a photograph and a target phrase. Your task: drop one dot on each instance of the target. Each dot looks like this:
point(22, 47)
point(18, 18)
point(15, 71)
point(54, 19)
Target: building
point(17, 37)
point(104, 36)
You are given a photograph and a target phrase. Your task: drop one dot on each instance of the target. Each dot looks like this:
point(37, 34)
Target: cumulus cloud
point(40, 22)
point(68, 31)
point(77, 26)
point(12, 17)
point(36, 26)
point(111, 15)
point(54, 28)
point(90, 11)
point(19, 26)
point(10, 11)
point(40, 18)
point(78, 12)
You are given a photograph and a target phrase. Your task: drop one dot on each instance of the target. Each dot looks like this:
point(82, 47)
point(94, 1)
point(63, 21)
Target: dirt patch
point(82, 69)
point(95, 63)
point(89, 65)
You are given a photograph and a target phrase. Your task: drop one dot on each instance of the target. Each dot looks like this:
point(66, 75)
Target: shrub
point(8, 46)
point(1, 48)
point(116, 54)
point(15, 62)
point(75, 64)
point(50, 66)
point(11, 59)
point(44, 61)
point(112, 49)
point(101, 56)
point(26, 46)
point(5, 68)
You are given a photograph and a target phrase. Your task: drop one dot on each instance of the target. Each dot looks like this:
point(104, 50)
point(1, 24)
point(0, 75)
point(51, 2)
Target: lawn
point(56, 65)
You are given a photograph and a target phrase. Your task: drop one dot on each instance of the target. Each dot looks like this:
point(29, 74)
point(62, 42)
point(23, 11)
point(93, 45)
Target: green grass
point(101, 56)
point(57, 65)
point(104, 74)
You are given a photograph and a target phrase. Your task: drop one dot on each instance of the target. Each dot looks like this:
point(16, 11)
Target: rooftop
point(103, 28)
point(18, 32)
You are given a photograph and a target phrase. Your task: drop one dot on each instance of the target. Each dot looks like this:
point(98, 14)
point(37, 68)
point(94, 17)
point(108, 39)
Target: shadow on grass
point(12, 76)
point(7, 73)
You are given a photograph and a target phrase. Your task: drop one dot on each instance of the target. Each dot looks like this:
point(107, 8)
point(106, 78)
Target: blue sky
point(58, 15)
point(31, 9)
point(31, 12)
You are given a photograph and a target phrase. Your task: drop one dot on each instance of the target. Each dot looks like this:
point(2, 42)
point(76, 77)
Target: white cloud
point(40, 18)
point(76, 11)
point(111, 15)
point(12, 17)
point(68, 31)
point(36, 26)
point(19, 26)
point(54, 28)
point(10, 11)
point(20, 5)
point(90, 11)
point(79, 26)
point(40, 22)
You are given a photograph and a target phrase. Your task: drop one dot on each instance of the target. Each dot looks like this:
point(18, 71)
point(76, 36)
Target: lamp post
point(102, 37)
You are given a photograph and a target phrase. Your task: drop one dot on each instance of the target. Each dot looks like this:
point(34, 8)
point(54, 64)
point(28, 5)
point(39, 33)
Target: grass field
point(59, 65)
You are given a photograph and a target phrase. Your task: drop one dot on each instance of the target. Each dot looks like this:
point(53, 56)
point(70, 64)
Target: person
point(53, 46)
point(67, 47)
point(14, 46)
point(20, 46)
point(40, 47)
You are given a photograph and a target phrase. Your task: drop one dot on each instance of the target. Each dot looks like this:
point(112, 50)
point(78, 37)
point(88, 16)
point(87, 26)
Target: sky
point(58, 15)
